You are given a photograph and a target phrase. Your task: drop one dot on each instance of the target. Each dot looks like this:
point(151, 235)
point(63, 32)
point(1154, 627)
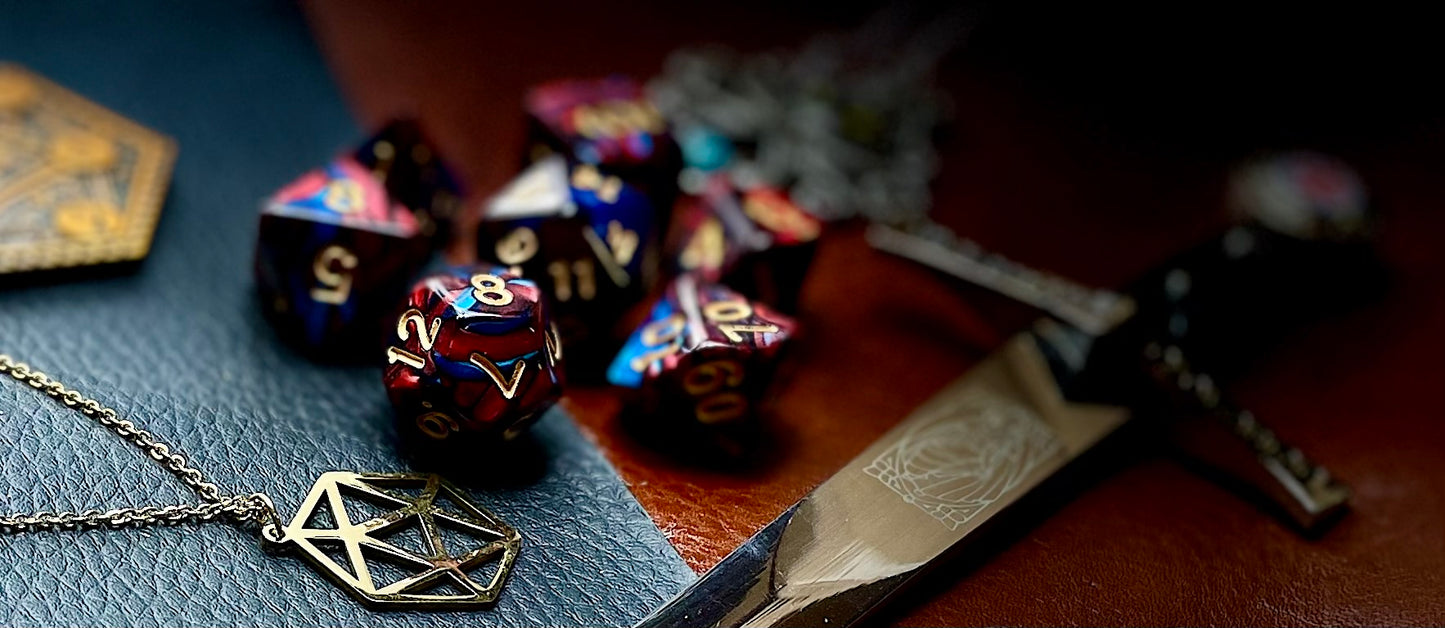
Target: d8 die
point(611, 124)
point(333, 256)
point(407, 164)
point(473, 356)
point(757, 241)
point(583, 237)
point(701, 365)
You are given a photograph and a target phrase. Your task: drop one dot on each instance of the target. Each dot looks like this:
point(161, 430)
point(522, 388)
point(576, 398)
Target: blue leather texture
point(180, 346)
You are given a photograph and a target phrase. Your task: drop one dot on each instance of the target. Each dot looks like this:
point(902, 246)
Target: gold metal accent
point(507, 388)
point(343, 196)
point(83, 220)
point(458, 539)
point(81, 152)
point(707, 247)
point(335, 284)
point(553, 342)
point(58, 148)
point(518, 246)
point(17, 91)
point(397, 354)
point(436, 425)
point(615, 118)
point(240, 508)
point(562, 275)
point(607, 188)
point(623, 242)
point(491, 290)
point(438, 572)
point(616, 272)
point(426, 335)
point(662, 339)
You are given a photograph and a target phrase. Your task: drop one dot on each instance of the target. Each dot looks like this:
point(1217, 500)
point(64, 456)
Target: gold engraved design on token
point(83, 220)
point(401, 541)
point(17, 91)
point(81, 152)
point(79, 184)
point(977, 451)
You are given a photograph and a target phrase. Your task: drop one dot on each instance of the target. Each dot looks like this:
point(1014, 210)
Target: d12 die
point(333, 256)
point(757, 241)
point(583, 236)
point(609, 123)
point(473, 356)
point(702, 364)
point(400, 156)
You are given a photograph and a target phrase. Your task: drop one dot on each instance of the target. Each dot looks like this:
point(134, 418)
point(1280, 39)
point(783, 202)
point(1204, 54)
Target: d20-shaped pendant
point(79, 184)
point(401, 541)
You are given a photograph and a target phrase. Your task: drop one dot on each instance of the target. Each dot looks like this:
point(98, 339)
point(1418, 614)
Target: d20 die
point(583, 237)
point(701, 366)
point(757, 241)
point(402, 158)
point(333, 256)
point(611, 124)
point(474, 356)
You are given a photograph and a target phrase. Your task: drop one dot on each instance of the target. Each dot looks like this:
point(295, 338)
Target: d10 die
point(757, 241)
point(609, 123)
point(407, 164)
point(701, 365)
point(473, 356)
point(333, 257)
point(583, 237)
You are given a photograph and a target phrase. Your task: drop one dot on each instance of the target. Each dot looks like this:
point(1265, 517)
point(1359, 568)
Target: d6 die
point(757, 241)
point(611, 124)
point(472, 357)
point(400, 156)
point(333, 256)
point(702, 364)
point(582, 236)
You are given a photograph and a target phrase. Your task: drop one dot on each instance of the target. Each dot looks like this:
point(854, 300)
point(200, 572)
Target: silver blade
point(1206, 427)
point(963, 457)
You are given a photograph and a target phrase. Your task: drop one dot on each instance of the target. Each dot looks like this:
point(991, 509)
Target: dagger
point(1045, 398)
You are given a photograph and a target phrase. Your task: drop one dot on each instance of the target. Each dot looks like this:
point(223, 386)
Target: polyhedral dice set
point(569, 252)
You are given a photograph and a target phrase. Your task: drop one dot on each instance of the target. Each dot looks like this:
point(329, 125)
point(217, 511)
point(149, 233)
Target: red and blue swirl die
point(755, 240)
point(583, 236)
point(333, 256)
point(402, 157)
point(611, 124)
point(472, 356)
point(703, 362)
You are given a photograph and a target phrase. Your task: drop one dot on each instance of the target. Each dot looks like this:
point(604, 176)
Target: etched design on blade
point(976, 450)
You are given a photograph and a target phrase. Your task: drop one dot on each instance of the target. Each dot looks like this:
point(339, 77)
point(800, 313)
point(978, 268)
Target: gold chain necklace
point(482, 547)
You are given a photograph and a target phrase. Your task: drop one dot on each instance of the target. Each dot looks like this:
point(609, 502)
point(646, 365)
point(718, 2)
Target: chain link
point(255, 507)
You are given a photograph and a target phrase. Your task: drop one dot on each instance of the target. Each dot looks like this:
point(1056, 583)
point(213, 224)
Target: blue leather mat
point(180, 347)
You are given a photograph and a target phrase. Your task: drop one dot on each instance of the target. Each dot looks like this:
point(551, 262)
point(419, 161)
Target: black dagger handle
point(1219, 300)
point(1210, 428)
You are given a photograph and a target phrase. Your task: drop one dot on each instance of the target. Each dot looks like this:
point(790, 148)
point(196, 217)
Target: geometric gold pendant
point(399, 541)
